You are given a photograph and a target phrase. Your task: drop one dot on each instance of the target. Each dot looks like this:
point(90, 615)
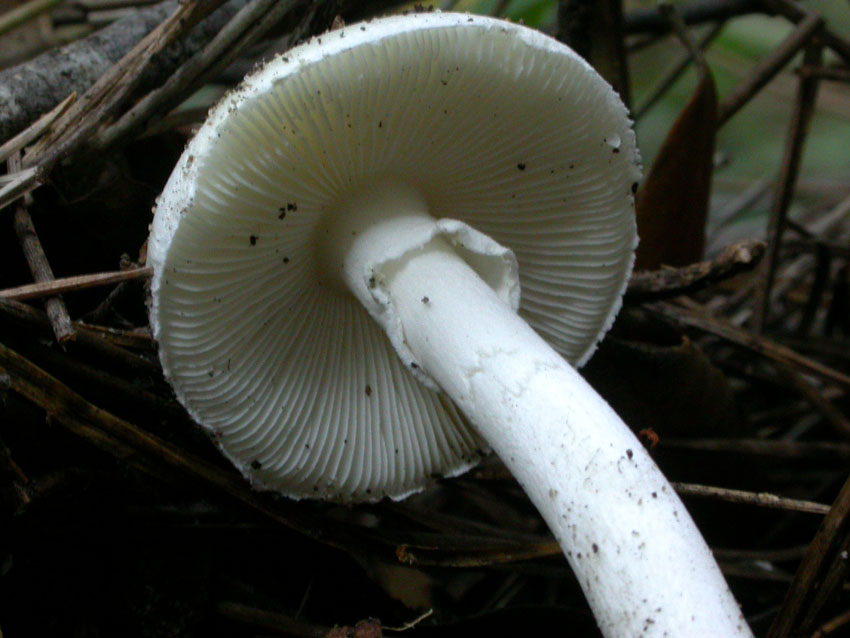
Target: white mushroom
point(342, 245)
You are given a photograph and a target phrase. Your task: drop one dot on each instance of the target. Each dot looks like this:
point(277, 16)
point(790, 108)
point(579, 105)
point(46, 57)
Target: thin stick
point(814, 395)
point(755, 571)
point(795, 14)
point(833, 580)
point(675, 73)
point(820, 283)
point(768, 67)
point(279, 623)
point(174, 119)
point(755, 343)
point(97, 5)
point(71, 284)
point(804, 108)
point(33, 132)
point(410, 624)
point(18, 184)
point(106, 343)
point(681, 30)
point(102, 381)
point(832, 625)
point(42, 272)
point(495, 553)
point(27, 11)
point(6, 454)
point(142, 450)
point(823, 551)
point(248, 25)
point(830, 73)
point(759, 499)
point(673, 282)
point(696, 12)
point(823, 451)
point(812, 245)
point(781, 555)
point(40, 268)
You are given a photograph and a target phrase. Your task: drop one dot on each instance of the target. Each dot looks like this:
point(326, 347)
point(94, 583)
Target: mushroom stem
point(317, 179)
point(638, 556)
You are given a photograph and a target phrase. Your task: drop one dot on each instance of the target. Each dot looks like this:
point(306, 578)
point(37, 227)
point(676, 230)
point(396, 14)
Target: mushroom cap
point(494, 124)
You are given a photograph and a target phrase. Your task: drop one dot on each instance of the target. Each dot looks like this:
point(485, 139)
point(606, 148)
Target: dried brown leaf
point(672, 203)
point(673, 389)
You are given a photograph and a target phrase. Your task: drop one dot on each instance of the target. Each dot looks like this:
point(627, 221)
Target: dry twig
point(769, 67)
point(18, 184)
point(670, 78)
point(70, 284)
point(759, 499)
point(14, 18)
point(803, 111)
point(822, 451)
point(648, 20)
point(33, 132)
point(40, 268)
point(755, 343)
point(819, 572)
point(144, 451)
point(673, 282)
point(110, 345)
